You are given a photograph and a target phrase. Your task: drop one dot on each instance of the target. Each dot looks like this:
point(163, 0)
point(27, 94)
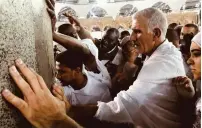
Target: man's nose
point(58, 76)
point(133, 37)
point(190, 61)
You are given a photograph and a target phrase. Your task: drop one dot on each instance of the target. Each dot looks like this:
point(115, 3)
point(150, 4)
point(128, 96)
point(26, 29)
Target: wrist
point(68, 107)
point(79, 28)
point(65, 121)
point(54, 35)
point(58, 121)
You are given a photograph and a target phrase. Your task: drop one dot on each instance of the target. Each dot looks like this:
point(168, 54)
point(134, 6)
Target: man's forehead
point(187, 30)
point(135, 24)
point(138, 22)
point(110, 36)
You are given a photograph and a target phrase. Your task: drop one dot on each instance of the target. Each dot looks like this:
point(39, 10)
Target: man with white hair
point(150, 102)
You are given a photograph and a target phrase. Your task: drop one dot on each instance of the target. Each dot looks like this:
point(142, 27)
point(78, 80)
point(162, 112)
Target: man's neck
point(80, 82)
point(110, 55)
point(156, 45)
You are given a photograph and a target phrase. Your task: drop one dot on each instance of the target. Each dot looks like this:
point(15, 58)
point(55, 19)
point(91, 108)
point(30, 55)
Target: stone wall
point(25, 32)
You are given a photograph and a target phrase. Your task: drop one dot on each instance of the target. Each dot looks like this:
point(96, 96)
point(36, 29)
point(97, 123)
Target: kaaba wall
point(25, 32)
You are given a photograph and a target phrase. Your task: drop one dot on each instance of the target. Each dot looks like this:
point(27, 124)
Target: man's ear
point(76, 72)
point(157, 32)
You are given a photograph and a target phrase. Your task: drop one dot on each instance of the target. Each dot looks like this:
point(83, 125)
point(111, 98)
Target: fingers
point(183, 83)
point(188, 88)
point(65, 14)
point(72, 20)
point(40, 80)
point(29, 75)
point(42, 83)
point(15, 101)
point(181, 80)
point(58, 92)
point(21, 83)
point(59, 89)
point(75, 20)
point(57, 95)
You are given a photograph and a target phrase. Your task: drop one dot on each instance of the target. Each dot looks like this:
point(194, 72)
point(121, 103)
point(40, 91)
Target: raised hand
point(184, 86)
point(39, 106)
point(72, 20)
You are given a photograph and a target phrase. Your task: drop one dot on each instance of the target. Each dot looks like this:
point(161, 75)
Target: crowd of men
point(146, 79)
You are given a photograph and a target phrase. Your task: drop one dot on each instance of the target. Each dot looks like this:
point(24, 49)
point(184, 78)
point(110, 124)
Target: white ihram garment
point(95, 90)
point(97, 86)
point(151, 101)
point(104, 74)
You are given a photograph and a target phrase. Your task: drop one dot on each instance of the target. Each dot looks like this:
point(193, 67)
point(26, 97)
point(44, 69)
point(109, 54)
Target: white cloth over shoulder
point(118, 58)
point(152, 100)
point(95, 90)
point(104, 74)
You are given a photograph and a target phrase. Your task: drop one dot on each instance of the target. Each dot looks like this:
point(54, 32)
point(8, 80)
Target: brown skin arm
point(85, 34)
point(67, 122)
point(70, 43)
point(83, 113)
point(73, 44)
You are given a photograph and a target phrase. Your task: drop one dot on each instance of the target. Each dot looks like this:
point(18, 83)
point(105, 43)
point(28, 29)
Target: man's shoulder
point(168, 49)
point(88, 42)
point(162, 67)
point(97, 80)
point(91, 46)
point(167, 54)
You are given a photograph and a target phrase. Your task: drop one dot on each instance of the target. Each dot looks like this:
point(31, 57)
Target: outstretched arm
point(82, 32)
point(71, 43)
point(75, 45)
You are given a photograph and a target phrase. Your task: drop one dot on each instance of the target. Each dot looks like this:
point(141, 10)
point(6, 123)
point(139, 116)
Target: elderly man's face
point(143, 40)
